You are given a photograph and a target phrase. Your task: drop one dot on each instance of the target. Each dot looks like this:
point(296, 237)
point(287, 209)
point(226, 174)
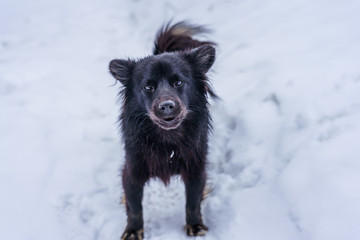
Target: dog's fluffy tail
point(179, 37)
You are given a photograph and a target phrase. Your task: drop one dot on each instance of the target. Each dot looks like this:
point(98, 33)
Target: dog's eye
point(149, 88)
point(178, 83)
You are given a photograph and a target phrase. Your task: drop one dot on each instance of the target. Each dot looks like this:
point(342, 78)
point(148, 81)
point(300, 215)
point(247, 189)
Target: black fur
point(165, 120)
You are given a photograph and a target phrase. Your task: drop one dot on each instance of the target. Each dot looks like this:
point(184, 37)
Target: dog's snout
point(167, 106)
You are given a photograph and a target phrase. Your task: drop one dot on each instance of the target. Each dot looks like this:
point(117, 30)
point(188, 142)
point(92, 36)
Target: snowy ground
point(284, 160)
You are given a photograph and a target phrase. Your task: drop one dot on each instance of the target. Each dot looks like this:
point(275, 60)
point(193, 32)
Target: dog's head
point(166, 86)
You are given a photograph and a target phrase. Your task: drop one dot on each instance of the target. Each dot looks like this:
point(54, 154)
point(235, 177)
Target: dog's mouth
point(169, 122)
point(169, 119)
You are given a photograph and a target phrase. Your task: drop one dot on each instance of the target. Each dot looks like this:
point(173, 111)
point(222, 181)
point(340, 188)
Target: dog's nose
point(167, 106)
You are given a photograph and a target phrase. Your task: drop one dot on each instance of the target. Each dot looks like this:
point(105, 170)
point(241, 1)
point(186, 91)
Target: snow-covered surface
point(285, 153)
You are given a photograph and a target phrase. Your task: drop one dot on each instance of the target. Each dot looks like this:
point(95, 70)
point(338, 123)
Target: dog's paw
point(133, 235)
point(196, 230)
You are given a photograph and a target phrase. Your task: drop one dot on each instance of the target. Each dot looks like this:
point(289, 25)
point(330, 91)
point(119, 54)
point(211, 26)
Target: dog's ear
point(122, 70)
point(201, 57)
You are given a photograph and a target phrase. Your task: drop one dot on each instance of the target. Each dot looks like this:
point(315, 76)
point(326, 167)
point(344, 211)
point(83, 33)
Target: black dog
point(165, 120)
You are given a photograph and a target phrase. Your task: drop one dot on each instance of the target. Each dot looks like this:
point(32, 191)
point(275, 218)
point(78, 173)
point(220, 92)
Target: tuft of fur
point(179, 37)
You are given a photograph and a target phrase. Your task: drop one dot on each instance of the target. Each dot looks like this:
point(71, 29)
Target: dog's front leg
point(194, 189)
point(133, 195)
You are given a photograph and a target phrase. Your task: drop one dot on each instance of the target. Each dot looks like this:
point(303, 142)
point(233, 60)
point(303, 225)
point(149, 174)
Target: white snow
point(284, 154)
